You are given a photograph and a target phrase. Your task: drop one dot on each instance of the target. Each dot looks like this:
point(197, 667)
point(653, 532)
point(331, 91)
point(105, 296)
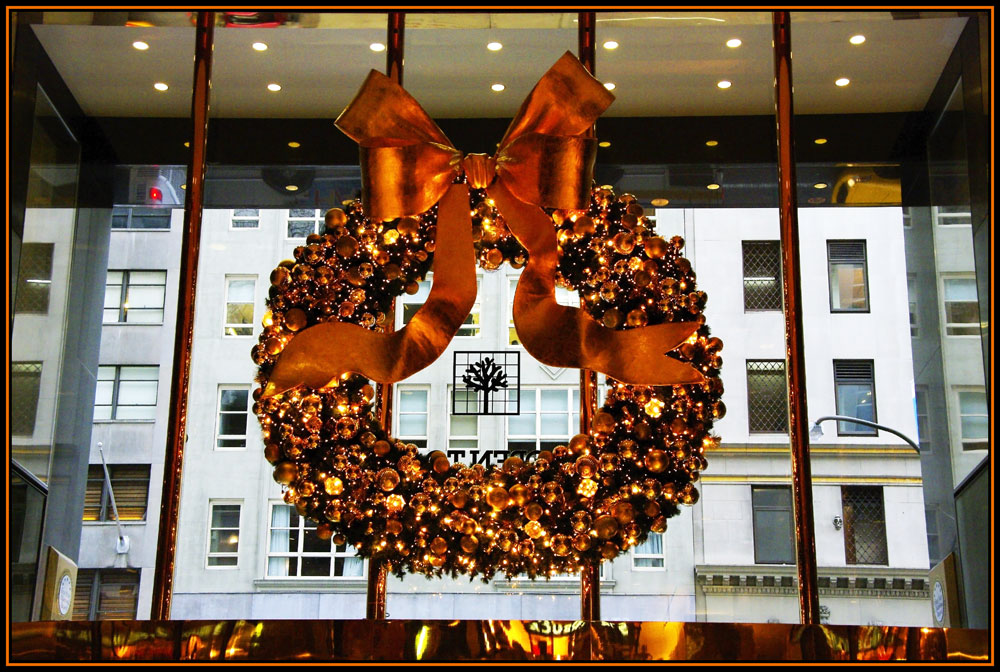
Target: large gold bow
point(546, 159)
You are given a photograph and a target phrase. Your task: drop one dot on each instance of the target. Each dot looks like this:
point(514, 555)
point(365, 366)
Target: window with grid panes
point(767, 396)
point(234, 409)
point(923, 418)
point(854, 383)
point(848, 266)
point(549, 417)
point(106, 595)
point(564, 297)
point(961, 307)
point(134, 297)
point(34, 278)
point(773, 525)
point(463, 430)
point(295, 549)
point(239, 305)
point(303, 222)
point(130, 484)
point(224, 534)
point(911, 291)
point(650, 554)
point(974, 419)
point(411, 303)
point(25, 382)
point(245, 218)
point(411, 415)
point(864, 525)
point(952, 215)
point(761, 275)
point(126, 392)
point(141, 219)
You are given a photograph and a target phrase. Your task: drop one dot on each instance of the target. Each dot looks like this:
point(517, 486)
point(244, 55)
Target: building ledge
point(856, 581)
point(558, 586)
point(351, 585)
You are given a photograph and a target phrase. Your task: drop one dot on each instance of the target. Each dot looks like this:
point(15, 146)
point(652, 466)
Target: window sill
point(296, 584)
point(151, 421)
point(109, 523)
point(132, 324)
point(560, 585)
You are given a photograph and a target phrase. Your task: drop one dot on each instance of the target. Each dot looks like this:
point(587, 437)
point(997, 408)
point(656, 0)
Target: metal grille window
point(975, 419)
point(549, 417)
point(294, 549)
point(854, 382)
point(245, 218)
point(761, 275)
point(911, 290)
point(411, 303)
point(34, 278)
point(126, 392)
point(239, 305)
point(773, 525)
point(130, 483)
point(223, 534)
point(848, 275)
point(141, 219)
point(767, 396)
point(25, 382)
point(564, 297)
point(106, 595)
point(650, 554)
point(304, 221)
point(411, 417)
point(234, 409)
point(135, 297)
point(961, 307)
point(864, 525)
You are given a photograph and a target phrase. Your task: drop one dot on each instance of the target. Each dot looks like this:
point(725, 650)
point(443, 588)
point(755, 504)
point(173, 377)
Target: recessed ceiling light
point(274, 87)
point(711, 143)
point(713, 186)
point(494, 46)
point(660, 202)
point(498, 87)
point(140, 45)
point(733, 43)
point(820, 185)
point(610, 86)
point(291, 187)
point(604, 143)
point(843, 81)
point(160, 86)
point(187, 144)
point(184, 186)
point(820, 141)
point(376, 46)
point(724, 84)
point(610, 44)
point(259, 46)
point(294, 144)
point(857, 39)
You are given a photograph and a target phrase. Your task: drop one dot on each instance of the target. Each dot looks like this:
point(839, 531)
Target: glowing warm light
point(494, 46)
point(843, 81)
point(820, 185)
point(376, 46)
point(820, 141)
point(274, 87)
point(160, 86)
point(713, 186)
point(660, 202)
point(259, 46)
point(610, 86)
point(857, 39)
point(294, 145)
point(711, 143)
point(140, 45)
point(291, 187)
point(604, 143)
point(724, 84)
point(610, 45)
point(733, 43)
point(498, 87)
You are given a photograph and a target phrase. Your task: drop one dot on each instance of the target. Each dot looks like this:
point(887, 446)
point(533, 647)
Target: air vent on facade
point(847, 250)
point(852, 371)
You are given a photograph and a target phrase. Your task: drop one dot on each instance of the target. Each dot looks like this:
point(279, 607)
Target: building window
point(923, 418)
point(767, 396)
point(650, 554)
point(34, 278)
point(961, 307)
point(549, 417)
point(245, 218)
point(141, 219)
point(25, 382)
point(126, 392)
point(234, 409)
point(911, 290)
point(304, 222)
point(223, 534)
point(412, 415)
point(463, 430)
point(761, 275)
point(854, 382)
point(239, 305)
point(951, 215)
point(135, 297)
point(564, 297)
point(975, 419)
point(130, 484)
point(773, 525)
point(106, 595)
point(411, 303)
point(864, 525)
point(295, 549)
point(848, 275)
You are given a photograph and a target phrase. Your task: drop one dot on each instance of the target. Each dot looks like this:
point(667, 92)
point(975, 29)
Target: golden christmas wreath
point(530, 205)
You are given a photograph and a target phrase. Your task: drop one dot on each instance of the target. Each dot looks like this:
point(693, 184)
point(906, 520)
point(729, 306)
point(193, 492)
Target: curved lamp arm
point(868, 423)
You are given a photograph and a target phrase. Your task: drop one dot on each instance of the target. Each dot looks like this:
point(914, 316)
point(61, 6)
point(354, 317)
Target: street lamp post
point(817, 431)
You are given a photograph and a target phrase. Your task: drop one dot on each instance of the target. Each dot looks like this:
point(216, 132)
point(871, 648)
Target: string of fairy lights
point(581, 503)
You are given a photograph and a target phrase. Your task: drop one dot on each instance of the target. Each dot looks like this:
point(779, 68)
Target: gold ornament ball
point(388, 479)
point(441, 465)
point(323, 532)
point(609, 550)
point(534, 529)
point(587, 488)
point(394, 526)
point(335, 217)
point(606, 526)
point(467, 526)
point(513, 464)
point(439, 546)
point(347, 246)
point(612, 318)
point(551, 492)
point(436, 560)
point(458, 498)
point(285, 472)
point(533, 511)
point(623, 513)
point(394, 503)
point(408, 225)
point(333, 485)
point(581, 521)
point(582, 542)
point(659, 524)
point(498, 498)
point(469, 544)
point(272, 453)
point(651, 509)
point(381, 447)
point(339, 539)
point(280, 276)
point(656, 460)
point(506, 540)
point(586, 466)
point(526, 548)
point(561, 545)
point(579, 444)
point(637, 318)
point(521, 494)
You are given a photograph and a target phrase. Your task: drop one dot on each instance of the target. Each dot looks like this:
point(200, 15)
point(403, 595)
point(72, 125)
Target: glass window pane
point(226, 515)
point(554, 424)
point(413, 401)
point(412, 425)
point(234, 400)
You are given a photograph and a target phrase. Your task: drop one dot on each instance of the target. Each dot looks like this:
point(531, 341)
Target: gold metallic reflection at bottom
point(484, 640)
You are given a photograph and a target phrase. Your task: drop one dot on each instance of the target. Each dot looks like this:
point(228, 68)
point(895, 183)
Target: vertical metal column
point(590, 574)
point(163, 575)
point(377, 570)
point(798, 418)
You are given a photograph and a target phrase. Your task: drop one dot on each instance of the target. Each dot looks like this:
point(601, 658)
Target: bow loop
point(480, 169)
